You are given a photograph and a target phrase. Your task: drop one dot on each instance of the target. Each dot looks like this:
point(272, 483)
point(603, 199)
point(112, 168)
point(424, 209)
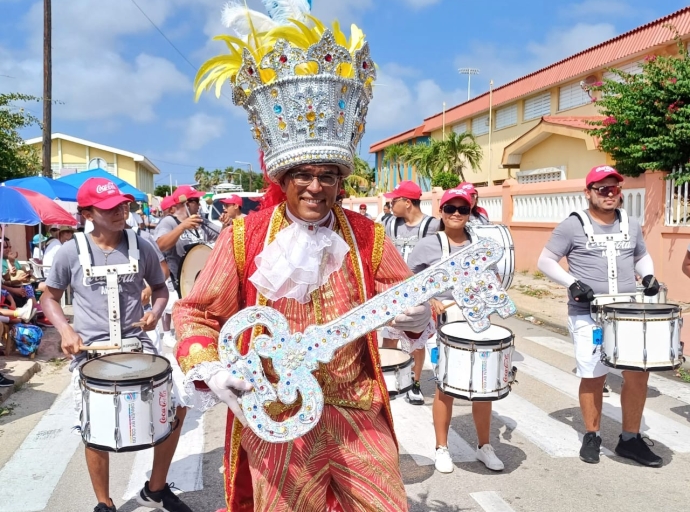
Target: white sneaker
point(444, 462)
point(487, 456)
point(169, 340)
point(26, 311)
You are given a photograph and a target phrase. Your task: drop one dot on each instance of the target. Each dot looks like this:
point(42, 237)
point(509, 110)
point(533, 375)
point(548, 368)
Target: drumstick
point(445, 308)
point(138, 324)
point(99, 347)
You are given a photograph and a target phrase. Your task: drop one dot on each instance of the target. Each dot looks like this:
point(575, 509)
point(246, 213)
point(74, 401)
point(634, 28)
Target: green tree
point(458, 151)
point(163, 190)
point(360, 183)
point(647, 116)
point(203, 179)
point(445, 180)
point(393, 158)
point(16, 159)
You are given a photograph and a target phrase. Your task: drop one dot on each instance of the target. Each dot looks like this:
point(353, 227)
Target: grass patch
point(57, 362)
point(683, 375)
point(539, 275)
point(17, 387)
point(538, 293)
point(523, 272)
point(7, 410)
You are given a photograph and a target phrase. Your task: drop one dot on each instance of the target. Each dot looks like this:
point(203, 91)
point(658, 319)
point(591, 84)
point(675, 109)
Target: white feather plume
point(236, 17)
point(281, 11)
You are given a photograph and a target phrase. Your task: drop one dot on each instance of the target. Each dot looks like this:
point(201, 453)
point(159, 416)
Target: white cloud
point(200, 129)
point(420, 4)
point(505, 64)
point(590, 8)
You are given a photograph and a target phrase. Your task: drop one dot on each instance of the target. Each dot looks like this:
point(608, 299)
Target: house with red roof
point(535, 128)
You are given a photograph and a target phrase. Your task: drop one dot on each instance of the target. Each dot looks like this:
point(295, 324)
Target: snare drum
point(475, 366)
point(659, 298)
point(641, 336)
point(501, 234)
point(452, 314)
point(191, 266)
point(397, 371)
point(126, 402)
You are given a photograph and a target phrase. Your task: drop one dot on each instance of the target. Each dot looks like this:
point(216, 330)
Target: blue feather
point(281, 11)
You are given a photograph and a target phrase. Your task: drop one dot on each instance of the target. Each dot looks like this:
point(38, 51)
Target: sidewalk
point(20, 369)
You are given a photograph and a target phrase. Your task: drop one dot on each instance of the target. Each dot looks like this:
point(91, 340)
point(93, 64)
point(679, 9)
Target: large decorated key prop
point(295, 356)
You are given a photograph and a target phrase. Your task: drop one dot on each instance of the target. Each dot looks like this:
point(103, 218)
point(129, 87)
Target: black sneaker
point(102, 507)
point(414, 395)
point(5, 382)
point(638, 450)
point(591, 445)
point(164, 499)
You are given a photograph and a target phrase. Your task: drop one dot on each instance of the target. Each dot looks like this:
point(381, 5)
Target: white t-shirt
point(134, 220)
point(49, 255)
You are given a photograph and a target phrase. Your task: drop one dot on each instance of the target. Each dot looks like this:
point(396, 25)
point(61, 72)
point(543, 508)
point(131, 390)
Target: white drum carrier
point(405, 245)
point(396, 366)
point(501, 234)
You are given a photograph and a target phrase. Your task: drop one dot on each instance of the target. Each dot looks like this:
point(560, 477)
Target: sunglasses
point(193, 200)
point(449, 209)
point(610, 190)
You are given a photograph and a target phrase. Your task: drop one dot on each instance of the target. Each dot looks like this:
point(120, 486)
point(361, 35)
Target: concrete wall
point(558, 150)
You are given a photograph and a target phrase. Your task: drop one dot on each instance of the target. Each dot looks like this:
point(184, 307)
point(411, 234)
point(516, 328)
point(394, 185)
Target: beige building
point(71, 154)
point(535, 127)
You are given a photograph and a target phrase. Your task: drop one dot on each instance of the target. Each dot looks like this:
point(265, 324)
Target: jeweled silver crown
point(306, 118)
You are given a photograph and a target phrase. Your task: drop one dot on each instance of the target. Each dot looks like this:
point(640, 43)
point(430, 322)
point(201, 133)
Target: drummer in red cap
point(110, 249)
point(232, 209)
point(175, 235)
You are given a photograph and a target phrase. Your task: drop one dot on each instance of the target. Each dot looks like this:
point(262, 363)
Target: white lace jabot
point(300, 259)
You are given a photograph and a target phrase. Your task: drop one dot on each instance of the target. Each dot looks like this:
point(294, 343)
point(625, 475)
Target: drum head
point(462, 332)
point(393, 358)
point(192, 264)
point(640, 308)
point(125, 368)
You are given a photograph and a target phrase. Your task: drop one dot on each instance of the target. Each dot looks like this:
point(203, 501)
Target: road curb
point(20, 371)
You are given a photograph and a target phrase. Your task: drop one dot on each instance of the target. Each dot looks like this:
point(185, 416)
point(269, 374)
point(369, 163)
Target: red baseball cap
point(406, 189)
point(101, 193)
point(457, 192)
point(233, 199)
point(184, 193)
point(601, 172)
point(467, 186)
point(362, 206)
point(167, 202)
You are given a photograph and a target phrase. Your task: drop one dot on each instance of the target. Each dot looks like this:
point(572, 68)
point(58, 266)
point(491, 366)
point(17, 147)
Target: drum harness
point(111, 274)
point(407, 244)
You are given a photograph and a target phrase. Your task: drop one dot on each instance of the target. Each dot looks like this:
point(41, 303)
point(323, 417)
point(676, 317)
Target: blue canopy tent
point(77, 179)
point(50, 188)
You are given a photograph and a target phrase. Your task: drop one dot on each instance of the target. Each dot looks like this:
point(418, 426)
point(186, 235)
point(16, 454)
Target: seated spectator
point(65, 233)
point(15, 279)
point(37, 246)
point(9, 313)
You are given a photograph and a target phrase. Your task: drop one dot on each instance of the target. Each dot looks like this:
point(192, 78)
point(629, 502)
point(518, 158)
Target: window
point(541, 175)
point(634, 68)
point(506, 117)
point(537, 106)
point(572, 95)
point(480, 125)
point(460, 128)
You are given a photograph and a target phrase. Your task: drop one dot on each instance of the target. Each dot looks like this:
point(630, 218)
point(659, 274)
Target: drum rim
point(510, 339)
point(397, 366)
point(482, 398)
point(125, 382)
point(178, 288)
point(134, 447)
point(639, 307)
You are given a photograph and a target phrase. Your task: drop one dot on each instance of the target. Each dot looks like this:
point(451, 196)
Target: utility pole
point(47, 88)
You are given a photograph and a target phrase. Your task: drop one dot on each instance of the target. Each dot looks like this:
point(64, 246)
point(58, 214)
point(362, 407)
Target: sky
point(123, 69)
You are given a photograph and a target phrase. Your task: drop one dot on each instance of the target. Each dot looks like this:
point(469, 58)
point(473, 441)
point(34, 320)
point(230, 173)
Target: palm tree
point(217, 177)
point(201, 176)
point(459, 150)
point(392, 156)
point(360, 182)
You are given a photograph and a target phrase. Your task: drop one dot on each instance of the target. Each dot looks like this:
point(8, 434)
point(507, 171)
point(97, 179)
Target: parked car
point(250, 202)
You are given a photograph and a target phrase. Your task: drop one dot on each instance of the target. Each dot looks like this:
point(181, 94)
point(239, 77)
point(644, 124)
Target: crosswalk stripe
point(674, 435)
point(678, 390)
point(549, 434)
point(187, 464)
point(415, 433)
point(491, 501)
point(28, 479)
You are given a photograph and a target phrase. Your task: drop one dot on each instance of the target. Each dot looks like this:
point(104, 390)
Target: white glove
point(229, 389)
point(414, 319)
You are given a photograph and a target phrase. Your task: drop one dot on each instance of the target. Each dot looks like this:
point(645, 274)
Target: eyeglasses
point(397, 199)
point(612, 190)
point(304, 179)
point(449, 209)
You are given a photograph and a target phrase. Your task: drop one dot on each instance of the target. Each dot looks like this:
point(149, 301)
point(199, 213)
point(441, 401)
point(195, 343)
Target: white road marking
point(414, 428)
point(549, 434)
point(491, 501)
point(28, 479)
point(674, 435)
point(678, 390)
point(186, 469)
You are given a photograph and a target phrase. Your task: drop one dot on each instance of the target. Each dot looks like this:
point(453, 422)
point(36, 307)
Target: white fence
point(556, 207)
point(493, 206)
point(677, 204)
point(426, 207)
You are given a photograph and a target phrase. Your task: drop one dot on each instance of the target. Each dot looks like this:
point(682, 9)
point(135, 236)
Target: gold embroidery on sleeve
point(198, 354)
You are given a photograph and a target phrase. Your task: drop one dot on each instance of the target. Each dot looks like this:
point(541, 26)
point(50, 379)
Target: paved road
point(536, 431)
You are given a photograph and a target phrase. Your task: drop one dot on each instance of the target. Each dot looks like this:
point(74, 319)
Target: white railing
point(556, 207)
point(677, 206)
point(493, 206)
point(426, 208)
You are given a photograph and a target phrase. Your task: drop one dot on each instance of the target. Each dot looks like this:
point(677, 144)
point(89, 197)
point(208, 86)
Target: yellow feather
point(356, 38)
point(338, 35)
point(310, 34)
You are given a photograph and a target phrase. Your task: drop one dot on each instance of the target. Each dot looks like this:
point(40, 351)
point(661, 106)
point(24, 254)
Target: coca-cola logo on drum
point(106, 188)
point(163, 403)
point(506, 366)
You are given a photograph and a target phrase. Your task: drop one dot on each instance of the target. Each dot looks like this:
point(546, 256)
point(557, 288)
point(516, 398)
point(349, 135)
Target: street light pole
point(250, 172)
point(469, 72)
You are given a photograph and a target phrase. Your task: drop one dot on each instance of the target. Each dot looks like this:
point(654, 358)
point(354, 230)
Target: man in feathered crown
point(306, 89)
